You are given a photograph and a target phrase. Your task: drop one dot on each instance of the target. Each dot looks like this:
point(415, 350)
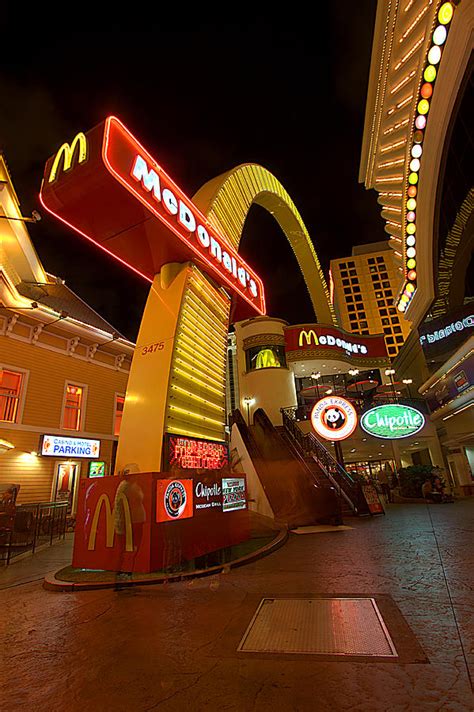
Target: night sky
point(286, 92)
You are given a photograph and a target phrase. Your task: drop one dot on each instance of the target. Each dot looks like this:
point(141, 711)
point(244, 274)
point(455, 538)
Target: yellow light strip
point(206, 340)
point(214, 328)
point(393, 146)
point(191, 433)
point(390, 179)
point(402, 82)
point(206, 386)
point(202, 309)
point(192, 414)
point(395, 162)
point(183, 349)
point(195, 396)
point(414, 23)
point(410, 52)
point(205, 351)
point(193, 370)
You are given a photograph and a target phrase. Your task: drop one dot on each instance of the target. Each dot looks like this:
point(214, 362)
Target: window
point(397, 329)
point(271, 356)
point(384, 275)
point(350, 307)
point(119, 401)
point(347, 290)
point(386, 285)
point(399, 339)
point(358, 297)
point(345, 282)
point(364, 325)
point(73, 407)
point(380, 259)
point(356, 290)
point(371, 260)
point(365, 332)
point(10, 393)
point(389, 339)
point(349, 299)
point(353, 317)
point(385, 322)
point(343, 273)
point(383, 312)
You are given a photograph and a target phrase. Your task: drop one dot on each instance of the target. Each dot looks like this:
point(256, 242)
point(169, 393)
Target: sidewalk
point(36, 566)
point(174, 647)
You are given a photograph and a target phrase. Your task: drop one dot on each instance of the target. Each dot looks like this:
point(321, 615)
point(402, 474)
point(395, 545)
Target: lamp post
point(407, 382)
point(390, 372)
point(248, 400)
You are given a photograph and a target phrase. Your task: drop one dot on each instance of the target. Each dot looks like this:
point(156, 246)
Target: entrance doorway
point(65, 484)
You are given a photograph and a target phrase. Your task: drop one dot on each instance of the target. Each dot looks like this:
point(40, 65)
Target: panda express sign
point(107, 187)
point(333, 341)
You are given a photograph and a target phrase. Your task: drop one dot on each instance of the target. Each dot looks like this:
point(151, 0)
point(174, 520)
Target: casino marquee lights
point(436, 46)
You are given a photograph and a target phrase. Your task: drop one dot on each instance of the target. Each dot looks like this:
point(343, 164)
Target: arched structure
point(226, 201)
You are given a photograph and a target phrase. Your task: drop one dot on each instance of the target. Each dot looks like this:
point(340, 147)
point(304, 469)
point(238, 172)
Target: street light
point(390, 372)
point(248, 400)
point(408, 382)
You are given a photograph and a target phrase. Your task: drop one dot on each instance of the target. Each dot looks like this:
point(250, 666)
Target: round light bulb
point(410, 287)
point(415, 165)
point(411, 275)
point(411, 216)
point(445, 14)
point(426, 90)
point(434, 55)
point(411, 264)
point(439, 35)
point(412, 191)
point(423, 106)
point(411, 252)
point(411, 240)
point(411, 229)
point(418, 136)
point(411, 204)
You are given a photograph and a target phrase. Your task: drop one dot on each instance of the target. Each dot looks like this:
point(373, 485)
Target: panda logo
point(334, 418)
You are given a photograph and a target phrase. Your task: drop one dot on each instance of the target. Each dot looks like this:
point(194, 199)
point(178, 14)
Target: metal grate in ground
point(319, 626)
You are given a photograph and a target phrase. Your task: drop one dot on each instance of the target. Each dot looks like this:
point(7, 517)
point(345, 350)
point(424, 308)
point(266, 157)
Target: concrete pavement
point(173, 646)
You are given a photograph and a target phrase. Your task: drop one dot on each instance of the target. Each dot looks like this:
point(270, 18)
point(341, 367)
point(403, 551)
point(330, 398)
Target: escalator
point(293, 487)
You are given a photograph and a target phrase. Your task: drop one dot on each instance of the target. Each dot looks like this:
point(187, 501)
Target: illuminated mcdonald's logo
point(110, 521)
point(308, 335)
point(67, 153)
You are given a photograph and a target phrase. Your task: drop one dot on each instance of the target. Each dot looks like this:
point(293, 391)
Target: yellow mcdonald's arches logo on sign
point(67, 153)
point(308, 335)
point(110, 515)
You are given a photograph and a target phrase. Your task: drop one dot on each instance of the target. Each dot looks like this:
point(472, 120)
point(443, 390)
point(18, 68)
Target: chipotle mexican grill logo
point(175, 499)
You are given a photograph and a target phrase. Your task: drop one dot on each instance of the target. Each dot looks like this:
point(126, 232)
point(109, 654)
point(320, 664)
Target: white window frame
point(85, 388)
point(24, 386)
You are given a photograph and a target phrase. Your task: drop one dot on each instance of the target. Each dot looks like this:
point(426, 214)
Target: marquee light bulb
point(401, 307)
point(412, 191)
point(429, 75)
point(411, 229)
point(434, 55)
point(411, 252)
point(415, 165)
point(426, 90)
point(411, 204)
point(411, 216)
point(418, 136)
point(445, 14)
point(404, 298)
point(411, 275)
point(439, 35)
point(413, 178)
point(416, 150)
point(411, 263)
point(411, 240)
point(410, 287)
point(423, 106)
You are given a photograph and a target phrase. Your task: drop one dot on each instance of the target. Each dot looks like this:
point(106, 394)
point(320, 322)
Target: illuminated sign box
point(233, 494)
point(107, 187)
point(59, 446)
point(185, 453)
point(331, 339)
point(96, 469)
point(444, 334)
point(392, 421)
point(334, 418)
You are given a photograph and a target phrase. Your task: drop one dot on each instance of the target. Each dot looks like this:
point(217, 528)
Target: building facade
point(63, 373)
point(364, 287)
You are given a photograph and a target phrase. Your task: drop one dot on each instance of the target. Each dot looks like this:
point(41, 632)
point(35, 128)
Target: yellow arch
point(226, 201)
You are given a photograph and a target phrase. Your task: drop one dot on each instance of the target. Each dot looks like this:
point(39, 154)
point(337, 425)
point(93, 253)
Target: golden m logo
point(308, 335)
point(110, 515)
point(66, 152)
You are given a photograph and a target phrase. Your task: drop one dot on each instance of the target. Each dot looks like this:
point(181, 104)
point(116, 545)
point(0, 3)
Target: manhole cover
point(324, 626)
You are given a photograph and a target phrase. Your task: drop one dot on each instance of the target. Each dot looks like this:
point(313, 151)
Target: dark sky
point(286, 92)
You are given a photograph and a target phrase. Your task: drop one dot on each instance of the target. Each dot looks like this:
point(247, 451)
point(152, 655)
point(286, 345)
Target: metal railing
point(346, 487)
point(25, 527)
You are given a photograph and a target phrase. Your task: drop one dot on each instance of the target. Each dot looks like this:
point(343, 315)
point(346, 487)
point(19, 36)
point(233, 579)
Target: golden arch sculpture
point(226, 201)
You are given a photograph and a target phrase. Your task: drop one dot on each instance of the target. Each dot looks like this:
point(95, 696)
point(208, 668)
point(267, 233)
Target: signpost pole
point(339, 453)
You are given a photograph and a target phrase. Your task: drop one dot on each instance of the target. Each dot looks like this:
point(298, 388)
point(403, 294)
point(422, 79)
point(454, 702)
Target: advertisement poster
point(372, 498)
point(233, 494)
point(96, 469)
point(192, 454)
point(174, 500)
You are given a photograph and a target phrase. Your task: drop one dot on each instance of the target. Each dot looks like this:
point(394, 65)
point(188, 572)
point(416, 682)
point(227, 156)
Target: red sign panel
point(174, 500)
point(115, 194)
point(308, 337)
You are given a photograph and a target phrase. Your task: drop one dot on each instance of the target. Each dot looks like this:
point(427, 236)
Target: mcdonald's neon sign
point(110, 513)
point(67, 153)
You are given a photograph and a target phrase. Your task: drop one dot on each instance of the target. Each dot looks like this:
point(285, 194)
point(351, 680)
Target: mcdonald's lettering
point(66, 152)
point(110, 521)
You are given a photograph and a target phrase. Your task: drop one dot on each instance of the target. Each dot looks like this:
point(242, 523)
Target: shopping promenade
point(174, 646)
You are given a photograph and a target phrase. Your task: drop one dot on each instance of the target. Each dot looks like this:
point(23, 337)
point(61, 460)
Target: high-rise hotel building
point(365, 286)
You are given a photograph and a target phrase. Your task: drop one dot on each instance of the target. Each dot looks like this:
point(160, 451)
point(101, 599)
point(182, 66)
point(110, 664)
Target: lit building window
point(10, 391)
point(119, 402)
point(73, 405)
